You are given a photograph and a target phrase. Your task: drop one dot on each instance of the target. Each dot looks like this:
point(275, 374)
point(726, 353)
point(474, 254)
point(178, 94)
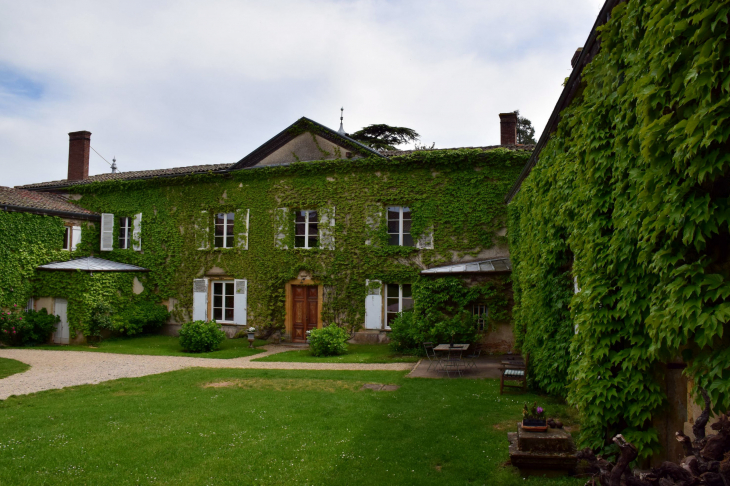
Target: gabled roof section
point(300, 126)
point(20, 200)
point(91, 264)
point(591, 48)
point(484, 266)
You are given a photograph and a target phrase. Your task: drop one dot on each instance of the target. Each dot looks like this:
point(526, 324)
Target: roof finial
point(114, 165)
point(341, 131)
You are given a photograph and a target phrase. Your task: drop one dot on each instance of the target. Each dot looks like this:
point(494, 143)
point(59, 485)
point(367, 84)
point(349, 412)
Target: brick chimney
point(508, 128)
point(79, 145)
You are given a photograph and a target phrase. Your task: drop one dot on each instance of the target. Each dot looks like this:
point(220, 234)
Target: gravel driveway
point(59, 369)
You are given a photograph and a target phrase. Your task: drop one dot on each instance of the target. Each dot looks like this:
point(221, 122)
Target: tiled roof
point(139, 174)
point(92, 264)
point(396, 153)
point(494, 265)
point(42, 202)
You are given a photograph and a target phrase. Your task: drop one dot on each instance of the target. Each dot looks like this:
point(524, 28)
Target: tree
point(384, 137)
point(525, 130)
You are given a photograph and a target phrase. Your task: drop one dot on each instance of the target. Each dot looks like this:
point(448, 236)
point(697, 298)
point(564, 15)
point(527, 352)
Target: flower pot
point(534, 425)
point(250, 339)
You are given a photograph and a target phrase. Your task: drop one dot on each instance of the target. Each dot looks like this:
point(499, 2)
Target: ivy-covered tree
point(385, 137)
point(525, 130)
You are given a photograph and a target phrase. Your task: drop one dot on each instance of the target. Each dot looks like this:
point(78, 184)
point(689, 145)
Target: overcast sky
point(175, 83)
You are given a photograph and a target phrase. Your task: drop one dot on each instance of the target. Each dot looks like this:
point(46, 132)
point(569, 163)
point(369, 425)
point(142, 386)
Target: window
point(399, 226)
point(306, 226)
point(398, 298)
point(480, 313)
point(125, 233)
point(224, 236)
point(223, 301)
point(67, 232)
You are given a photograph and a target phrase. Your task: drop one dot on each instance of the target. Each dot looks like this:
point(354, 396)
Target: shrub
point(328, 341)
point(410, 330)
point(26, 327)
point(141, 317)
point(101, 318)
point(201, 336)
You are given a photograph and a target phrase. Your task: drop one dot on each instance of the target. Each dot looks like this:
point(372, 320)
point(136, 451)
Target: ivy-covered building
point(618, 227)
point(310, 228)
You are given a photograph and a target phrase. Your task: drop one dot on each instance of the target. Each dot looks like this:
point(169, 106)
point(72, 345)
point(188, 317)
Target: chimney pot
point(508, 128)
point(79, 145)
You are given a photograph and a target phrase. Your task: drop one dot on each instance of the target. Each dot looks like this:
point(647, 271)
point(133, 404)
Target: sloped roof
point(484, 266)
point(12, 199)
point(92, 264)
point(139, 174)
point(396, 153)
point(293, 131)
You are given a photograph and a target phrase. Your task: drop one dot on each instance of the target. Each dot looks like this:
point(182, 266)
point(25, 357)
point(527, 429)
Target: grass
point(356, 353)
point(265, 427)
point(10, 367)
point(161, 346)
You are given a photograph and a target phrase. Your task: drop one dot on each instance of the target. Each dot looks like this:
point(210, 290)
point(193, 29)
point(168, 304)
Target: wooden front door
point(305, 310)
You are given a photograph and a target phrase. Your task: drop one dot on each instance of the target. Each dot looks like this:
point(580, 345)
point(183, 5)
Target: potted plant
point(251, 336)
point(533, 418)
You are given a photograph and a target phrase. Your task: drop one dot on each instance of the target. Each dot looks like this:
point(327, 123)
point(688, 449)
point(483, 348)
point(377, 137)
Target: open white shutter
point(425, 241)
point(240, 302)
point(137, 232)
point(327, 228)
point(202, 227)
point(372, 224)
point(241, 224)
point(374, 306)
point(107, 232)
point(281, 220)
point(200, 299)
point(75, 237)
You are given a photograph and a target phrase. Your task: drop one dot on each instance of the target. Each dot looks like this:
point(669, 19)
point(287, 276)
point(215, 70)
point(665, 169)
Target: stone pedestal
point(551, 450)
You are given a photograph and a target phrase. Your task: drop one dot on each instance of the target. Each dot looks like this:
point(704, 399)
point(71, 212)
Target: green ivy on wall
point(630, 196)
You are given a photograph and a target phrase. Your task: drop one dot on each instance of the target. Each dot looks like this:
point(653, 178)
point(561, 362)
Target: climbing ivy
point(630, 197)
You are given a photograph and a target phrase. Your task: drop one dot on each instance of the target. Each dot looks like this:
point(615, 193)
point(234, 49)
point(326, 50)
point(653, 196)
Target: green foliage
point(533, 412)
point(139, 317)
point(329, 341)
point(201, 336)
point(385, 137)
point(630, 197)
point(100, 319)
point(525, 130)
point(26, 327)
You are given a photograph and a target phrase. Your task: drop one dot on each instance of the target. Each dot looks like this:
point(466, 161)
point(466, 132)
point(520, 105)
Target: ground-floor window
point(398, 298)
point(480, 313)
point(223, 293)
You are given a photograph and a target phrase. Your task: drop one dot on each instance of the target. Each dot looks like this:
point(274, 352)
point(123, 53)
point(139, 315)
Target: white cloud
point(172, 83)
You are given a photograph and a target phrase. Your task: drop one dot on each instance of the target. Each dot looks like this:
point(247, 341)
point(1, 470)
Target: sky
point(175, 83)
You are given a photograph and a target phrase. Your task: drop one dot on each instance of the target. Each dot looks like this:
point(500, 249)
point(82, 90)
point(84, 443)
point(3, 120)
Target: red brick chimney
point(79, 145)
point(508, 128)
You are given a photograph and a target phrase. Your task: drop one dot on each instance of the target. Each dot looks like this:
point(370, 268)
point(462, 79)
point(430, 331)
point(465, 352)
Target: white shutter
point(374, 306)
point(75, 237)
point(200, 299)
point(281, 221)
point(372, 224)
point(107, 232)
point(137, 232)
point(425, 241)
point(327, 228)
point(240, 302)
point(202, 227)
point(241, 223)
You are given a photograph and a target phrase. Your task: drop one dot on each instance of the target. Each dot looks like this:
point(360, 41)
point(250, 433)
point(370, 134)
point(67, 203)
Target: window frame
point(400, 302)
point(229, 220)
point(306, 223)
point(125, 233)
point(401, 232)
point(224, 286)
point(482, 322)
point(67, 238)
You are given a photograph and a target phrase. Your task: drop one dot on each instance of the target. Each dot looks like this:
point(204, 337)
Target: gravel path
point(59, 369)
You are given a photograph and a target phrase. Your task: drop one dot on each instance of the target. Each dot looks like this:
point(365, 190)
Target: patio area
point(484, 367)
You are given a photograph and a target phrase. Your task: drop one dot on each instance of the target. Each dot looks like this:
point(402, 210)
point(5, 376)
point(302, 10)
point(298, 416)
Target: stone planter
point(534, 425)
point(251, 338)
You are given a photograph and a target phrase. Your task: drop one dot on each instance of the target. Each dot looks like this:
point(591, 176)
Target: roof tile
point(39, 201)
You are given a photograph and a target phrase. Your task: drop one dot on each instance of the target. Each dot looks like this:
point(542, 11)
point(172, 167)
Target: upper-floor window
point(480, 314)
point(306, 229)
point(399, 226)
point(224, 236)
point(125, 233)
point(71, 237)
point(67, 238)
point(398, 298)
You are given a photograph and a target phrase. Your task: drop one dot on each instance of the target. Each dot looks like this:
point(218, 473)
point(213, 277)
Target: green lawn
point(161, 346)
point(10, 367)
point(265, 427)
point(356, 353)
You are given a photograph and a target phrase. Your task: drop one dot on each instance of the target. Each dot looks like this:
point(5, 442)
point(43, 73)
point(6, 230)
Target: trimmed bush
point(409, 331)
point(26, 327)
point(140, 318)
point(328, 341)
point(201, 336)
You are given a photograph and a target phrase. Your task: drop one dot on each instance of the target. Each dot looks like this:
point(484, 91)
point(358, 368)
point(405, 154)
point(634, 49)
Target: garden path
point(59, 369)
